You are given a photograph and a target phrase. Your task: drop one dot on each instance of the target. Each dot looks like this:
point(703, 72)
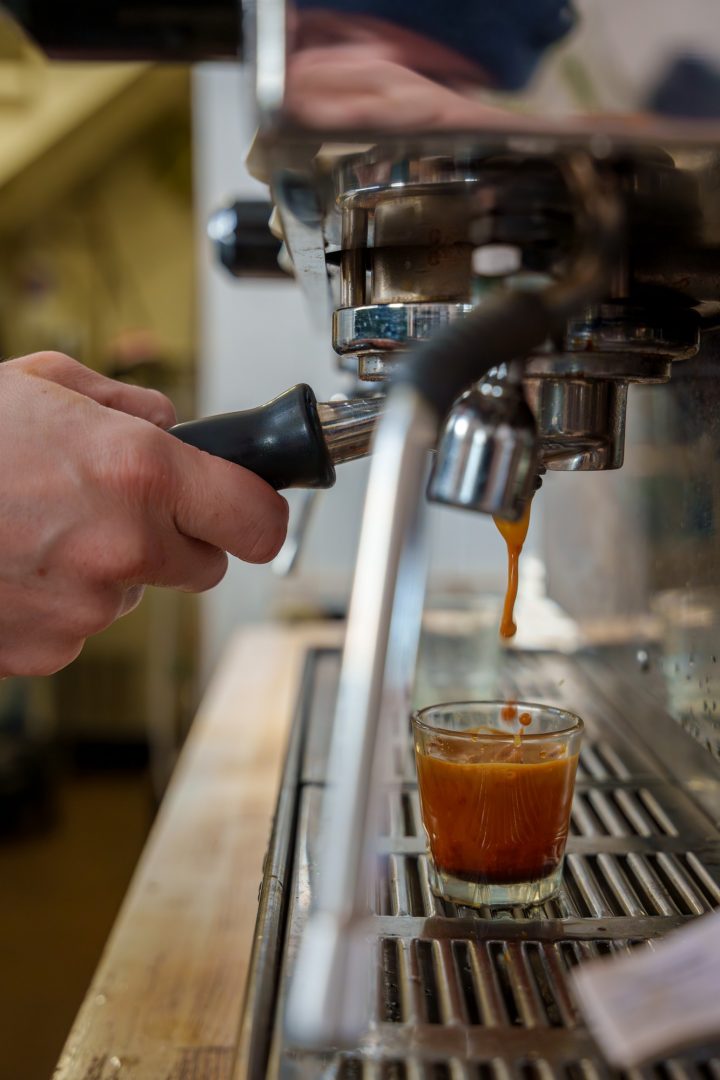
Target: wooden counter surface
point(166, 998)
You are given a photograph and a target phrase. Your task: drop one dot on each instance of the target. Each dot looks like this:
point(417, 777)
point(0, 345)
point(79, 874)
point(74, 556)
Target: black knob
point(242, 239)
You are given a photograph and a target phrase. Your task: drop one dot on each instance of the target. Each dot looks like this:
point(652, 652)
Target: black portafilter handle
point(282, 441)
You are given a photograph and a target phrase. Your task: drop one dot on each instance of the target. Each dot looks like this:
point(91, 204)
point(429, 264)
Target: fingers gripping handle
point(281, 441)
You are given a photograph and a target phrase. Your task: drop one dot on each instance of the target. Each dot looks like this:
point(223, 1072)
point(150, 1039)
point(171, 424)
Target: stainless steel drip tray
point(482, 995)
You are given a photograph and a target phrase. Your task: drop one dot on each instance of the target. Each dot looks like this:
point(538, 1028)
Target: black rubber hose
point(504, 328)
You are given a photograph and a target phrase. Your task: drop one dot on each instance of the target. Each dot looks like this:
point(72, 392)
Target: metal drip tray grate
point(594, 887)
point(357, 1069)
point(462, 994)
point(486, 984)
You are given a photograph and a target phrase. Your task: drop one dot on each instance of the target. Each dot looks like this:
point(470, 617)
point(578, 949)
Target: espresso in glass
point(496, 783)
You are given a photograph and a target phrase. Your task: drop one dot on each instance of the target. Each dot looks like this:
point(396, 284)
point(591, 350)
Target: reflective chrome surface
point(407, 245)
point(580, 422)
point(376, 334)
point(487, 457)
point(630, 332)
point(348, 426)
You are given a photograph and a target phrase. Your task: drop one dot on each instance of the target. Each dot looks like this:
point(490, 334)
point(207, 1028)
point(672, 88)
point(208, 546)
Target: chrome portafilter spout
point(487, 458)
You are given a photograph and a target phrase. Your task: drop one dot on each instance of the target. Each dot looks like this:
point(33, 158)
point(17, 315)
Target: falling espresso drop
point(513, 533)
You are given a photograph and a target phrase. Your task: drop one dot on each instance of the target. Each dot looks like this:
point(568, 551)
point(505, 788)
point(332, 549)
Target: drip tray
point(484, 995)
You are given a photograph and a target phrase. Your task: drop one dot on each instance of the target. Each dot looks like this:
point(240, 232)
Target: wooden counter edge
point(165, 1001)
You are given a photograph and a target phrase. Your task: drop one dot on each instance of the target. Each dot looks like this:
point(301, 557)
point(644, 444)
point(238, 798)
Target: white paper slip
point(659, 998)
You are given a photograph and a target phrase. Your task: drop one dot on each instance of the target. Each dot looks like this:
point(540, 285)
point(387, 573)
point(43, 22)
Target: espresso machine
point(508, 216)
point(501, 278)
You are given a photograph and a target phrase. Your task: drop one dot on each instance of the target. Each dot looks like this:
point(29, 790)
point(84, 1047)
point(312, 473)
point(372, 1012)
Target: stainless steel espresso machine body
point(503, 267)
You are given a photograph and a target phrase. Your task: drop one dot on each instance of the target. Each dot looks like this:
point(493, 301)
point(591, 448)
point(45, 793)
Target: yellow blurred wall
point(96, 236)
point(97, 260)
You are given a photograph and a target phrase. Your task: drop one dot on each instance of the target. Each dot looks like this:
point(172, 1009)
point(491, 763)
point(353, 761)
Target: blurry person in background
point(410, 65)
point(410, 62)
point(97, 501)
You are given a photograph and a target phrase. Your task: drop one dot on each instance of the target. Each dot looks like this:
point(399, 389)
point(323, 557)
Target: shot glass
point(496, 783)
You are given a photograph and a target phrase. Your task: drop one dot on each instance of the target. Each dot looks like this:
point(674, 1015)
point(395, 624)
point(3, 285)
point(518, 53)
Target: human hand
point(97, 501)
